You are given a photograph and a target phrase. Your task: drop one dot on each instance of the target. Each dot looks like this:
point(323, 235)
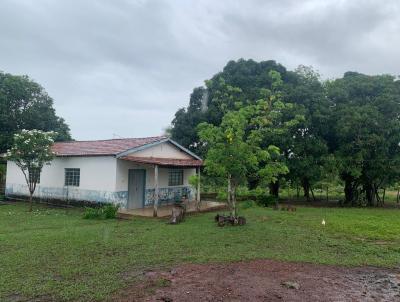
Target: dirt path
point(266, 280)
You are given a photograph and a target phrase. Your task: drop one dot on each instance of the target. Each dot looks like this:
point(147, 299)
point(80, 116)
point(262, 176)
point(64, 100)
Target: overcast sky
point(123, 68)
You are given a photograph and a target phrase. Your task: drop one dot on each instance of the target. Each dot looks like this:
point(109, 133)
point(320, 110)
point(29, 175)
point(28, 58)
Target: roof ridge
point(114, 139)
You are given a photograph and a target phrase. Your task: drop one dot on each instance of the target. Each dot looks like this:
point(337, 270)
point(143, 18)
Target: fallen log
point(223, 220)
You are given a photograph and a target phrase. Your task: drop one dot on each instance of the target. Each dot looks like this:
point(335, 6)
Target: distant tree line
point(346, 128)
point(24, 104)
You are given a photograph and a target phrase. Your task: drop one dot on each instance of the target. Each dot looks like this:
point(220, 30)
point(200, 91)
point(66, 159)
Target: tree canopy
point(365, 133)
point(30, 151)
point(347, 128)
point(24, 104)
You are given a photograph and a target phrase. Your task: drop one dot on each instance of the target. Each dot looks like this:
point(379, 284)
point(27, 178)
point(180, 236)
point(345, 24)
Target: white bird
point(323, 221)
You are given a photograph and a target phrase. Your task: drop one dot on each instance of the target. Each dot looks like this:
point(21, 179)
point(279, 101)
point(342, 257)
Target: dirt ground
point(265, 280)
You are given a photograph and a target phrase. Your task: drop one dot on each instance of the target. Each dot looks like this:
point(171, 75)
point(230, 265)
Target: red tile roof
point(164, 161)
point(101, 147)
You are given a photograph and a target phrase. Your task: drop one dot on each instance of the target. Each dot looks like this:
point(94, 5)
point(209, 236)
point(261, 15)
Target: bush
point(247, 204)
point(91, 213)
point(222, 195)
point(108, 211)
point(265, 200)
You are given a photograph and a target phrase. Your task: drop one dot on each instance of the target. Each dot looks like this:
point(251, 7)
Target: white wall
point(164, 150)
point(97, 173)
point(102, 178)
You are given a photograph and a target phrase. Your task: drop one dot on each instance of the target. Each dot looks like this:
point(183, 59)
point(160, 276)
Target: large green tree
point(24, 104)
point(307, 151)
point(349, 126)
point(365, 134)
point(208, 104)
point(248, 82)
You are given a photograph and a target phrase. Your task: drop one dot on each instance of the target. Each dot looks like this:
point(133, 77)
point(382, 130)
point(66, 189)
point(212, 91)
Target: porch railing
point(168, 195)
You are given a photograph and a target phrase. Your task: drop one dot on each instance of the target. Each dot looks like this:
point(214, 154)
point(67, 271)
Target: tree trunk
point(369, 194)
point(229, 197)
point(383, 197)
point(274, 189)
point(234, 213)
point(30, 201)
point(398, 195)
point(378, 198)
point(349, 191)
point(306, 188)
point(312, 193)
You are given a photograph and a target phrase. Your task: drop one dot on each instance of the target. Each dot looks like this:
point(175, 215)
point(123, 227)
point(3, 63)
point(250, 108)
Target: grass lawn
point(54, 253)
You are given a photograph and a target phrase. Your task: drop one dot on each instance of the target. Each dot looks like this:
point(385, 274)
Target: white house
point(131, 172)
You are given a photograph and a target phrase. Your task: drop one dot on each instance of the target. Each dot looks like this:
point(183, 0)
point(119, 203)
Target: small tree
point(229, 156)
point(30, 151)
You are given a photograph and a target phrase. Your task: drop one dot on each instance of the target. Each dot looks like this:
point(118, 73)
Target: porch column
point(198, 189)
point(156, 197)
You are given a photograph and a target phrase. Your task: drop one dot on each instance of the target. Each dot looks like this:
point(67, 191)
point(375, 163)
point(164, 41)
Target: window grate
point(72, 177)
point(175, 177)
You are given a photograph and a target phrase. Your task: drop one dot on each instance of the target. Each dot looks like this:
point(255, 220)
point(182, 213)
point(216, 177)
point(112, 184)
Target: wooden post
point(156, 195)
point(198, 200)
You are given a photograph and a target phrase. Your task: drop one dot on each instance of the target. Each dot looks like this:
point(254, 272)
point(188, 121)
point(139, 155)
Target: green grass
point(56, 254)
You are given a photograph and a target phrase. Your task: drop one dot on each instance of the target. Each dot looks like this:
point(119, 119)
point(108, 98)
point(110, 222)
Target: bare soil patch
point(265, 280)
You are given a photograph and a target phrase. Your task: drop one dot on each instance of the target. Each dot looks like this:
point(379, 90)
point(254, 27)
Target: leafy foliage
point(365, 133)
point(30, 151)
point(24, 104)
point(108, 211)
point(236, 148)
point(242, 79)
point(345, 129)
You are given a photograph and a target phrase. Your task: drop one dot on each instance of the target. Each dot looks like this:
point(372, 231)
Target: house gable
point(165, 148)
point(162, 150)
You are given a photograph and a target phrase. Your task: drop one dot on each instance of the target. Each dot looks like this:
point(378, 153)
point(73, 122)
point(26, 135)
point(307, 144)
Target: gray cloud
point(125, 67)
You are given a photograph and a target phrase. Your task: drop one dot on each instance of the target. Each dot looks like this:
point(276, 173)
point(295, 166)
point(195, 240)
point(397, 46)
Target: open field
point(54, 254)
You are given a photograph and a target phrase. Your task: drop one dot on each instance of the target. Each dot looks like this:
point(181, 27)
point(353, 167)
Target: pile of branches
point(223, 220)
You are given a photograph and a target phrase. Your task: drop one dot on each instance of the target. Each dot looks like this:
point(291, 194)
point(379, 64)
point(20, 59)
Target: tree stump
point(178, 214)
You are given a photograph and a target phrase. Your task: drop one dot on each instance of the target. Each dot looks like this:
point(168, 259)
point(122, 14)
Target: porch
point(165, 210)
point(155, 184)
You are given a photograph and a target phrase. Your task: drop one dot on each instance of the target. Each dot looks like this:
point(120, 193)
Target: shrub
point(222, 195)
point(108, 211)
point(265, 200)
point(247, 204)
point(92, 213)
